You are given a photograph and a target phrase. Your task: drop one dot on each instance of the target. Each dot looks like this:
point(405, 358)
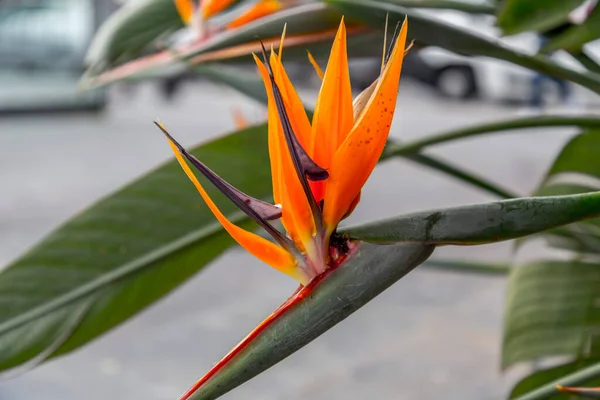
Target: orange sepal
point(185, 8)
point(261, 248)
point(315, 65)
point(333, 117)
point(211, 8)
point(293, 103)
point(259, 10)
point(297, 216)
point(358, 154)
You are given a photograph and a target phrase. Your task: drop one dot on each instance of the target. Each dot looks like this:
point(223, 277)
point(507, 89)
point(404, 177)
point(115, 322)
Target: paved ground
point(433, 335)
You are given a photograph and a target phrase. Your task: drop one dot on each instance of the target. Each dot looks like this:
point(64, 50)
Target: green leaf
point(549, 391)
point(432, 31)
point(550, 376)
point(320, 306)
point(480, 223)
point(579, 155)
point(123, 253)
point(518, 16)
point(552, 311)
point(577, 35)
point(131, 30)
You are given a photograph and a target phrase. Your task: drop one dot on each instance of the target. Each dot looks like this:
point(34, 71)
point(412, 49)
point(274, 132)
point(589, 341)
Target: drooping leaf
point(551, 375)
point(517, 16)
point(577, 35)
point(480, 223)
point(552, 311)
point(432, 31)
point(124, 253)
point(312, 311)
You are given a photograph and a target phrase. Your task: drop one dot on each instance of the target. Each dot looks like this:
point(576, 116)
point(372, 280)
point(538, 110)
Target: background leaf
point(131, 30)
point(576, 36)
point(552, 311)
point(567, 327)
point(517, 16)
point(123, 253)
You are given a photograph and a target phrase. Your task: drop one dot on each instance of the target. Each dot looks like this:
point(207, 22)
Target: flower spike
point(318, 168)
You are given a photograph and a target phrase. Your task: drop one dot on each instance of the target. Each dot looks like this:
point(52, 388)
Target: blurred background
point(61, 149)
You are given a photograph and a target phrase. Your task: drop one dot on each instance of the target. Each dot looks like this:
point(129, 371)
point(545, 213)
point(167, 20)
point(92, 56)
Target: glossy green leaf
point(552, 311)
point(534, 15)
point(123, 253)
point(551, 375)
point(320, 306)
point(432, 31)
point(583, 374)
point(480, 223)
point(577, 35)
point(131, 30)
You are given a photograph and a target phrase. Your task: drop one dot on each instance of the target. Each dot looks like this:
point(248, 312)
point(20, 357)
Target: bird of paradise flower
point(318, 169)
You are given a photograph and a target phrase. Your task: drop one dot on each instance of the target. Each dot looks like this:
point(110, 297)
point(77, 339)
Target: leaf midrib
point(119, 273)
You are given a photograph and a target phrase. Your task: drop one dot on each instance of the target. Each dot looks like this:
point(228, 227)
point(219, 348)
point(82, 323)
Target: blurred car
point(462, 77)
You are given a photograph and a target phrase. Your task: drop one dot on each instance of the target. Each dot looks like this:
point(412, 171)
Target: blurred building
point(42, 47)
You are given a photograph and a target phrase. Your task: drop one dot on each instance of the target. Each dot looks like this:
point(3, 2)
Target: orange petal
point(357, 155)
point(185, 8)
point(315, 65)
point(293, 104)
point(297, 216)
point(259, 10)
point(261, 248)
point(210, 8)
point(333, 116)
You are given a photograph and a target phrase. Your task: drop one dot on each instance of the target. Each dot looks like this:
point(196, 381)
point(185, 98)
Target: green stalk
point(397, 149)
